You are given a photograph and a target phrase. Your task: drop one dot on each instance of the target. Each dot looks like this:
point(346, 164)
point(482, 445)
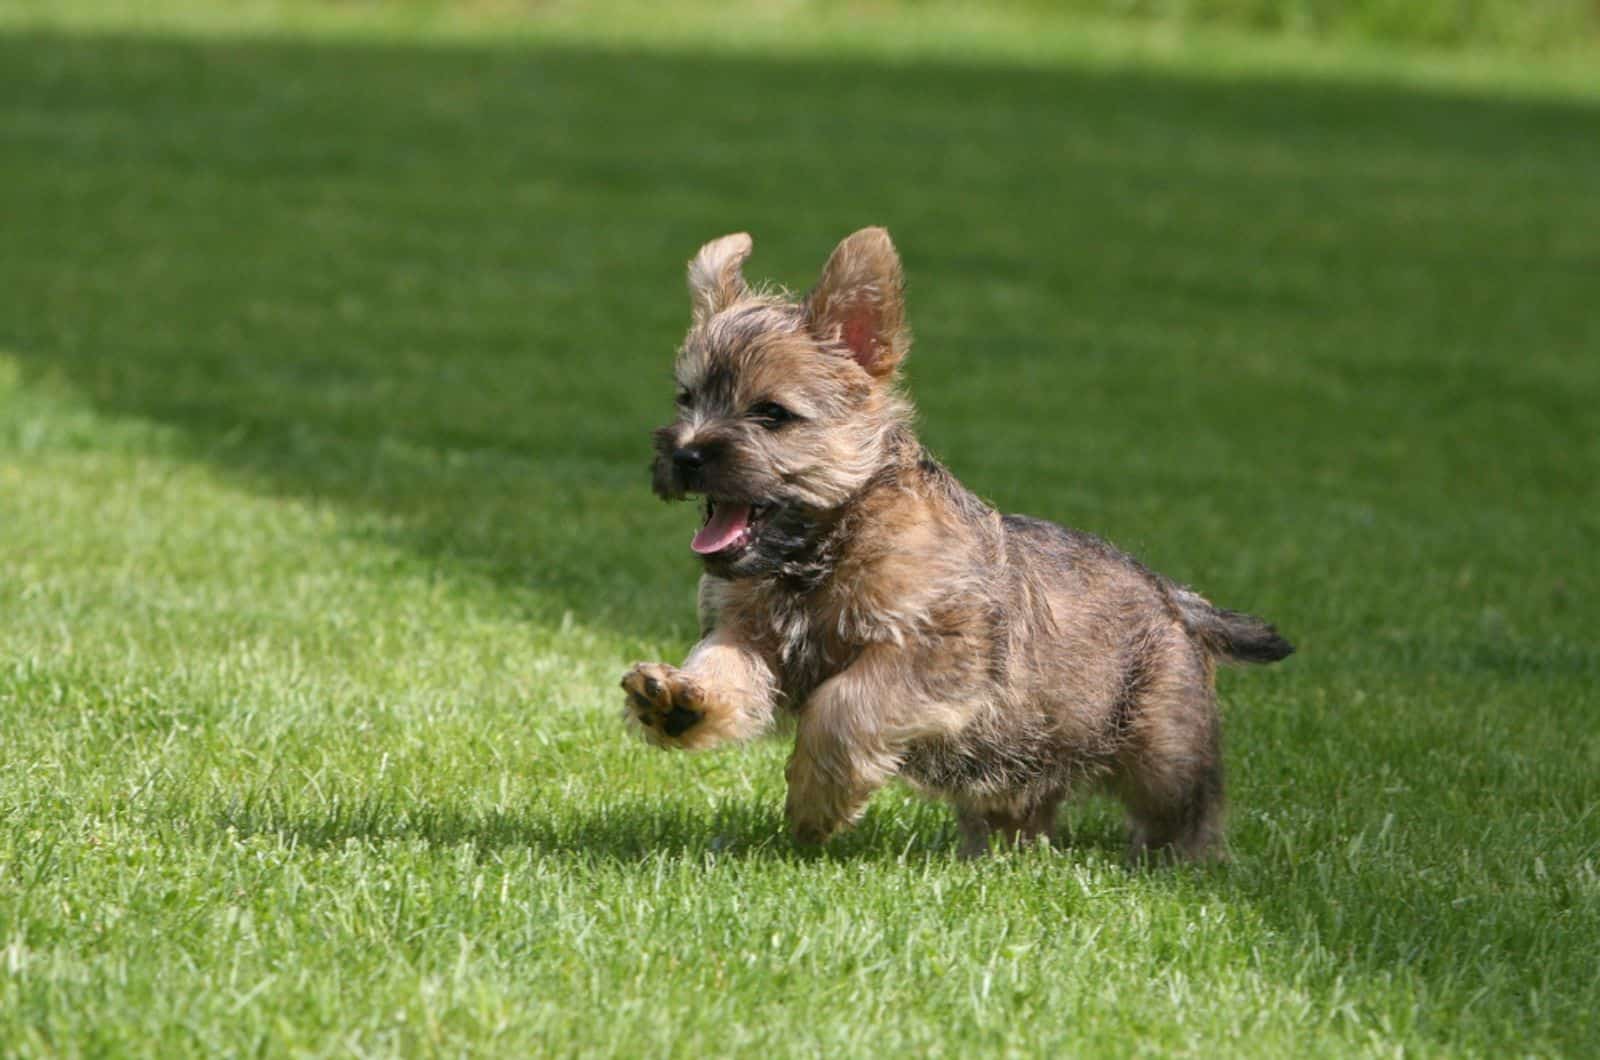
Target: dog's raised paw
point(664, 701)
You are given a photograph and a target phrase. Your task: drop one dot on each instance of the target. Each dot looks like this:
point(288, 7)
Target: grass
point(1525, 25)
point(326, 366)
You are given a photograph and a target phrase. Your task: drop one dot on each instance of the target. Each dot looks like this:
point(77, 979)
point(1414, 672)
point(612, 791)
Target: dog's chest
point(806, 645)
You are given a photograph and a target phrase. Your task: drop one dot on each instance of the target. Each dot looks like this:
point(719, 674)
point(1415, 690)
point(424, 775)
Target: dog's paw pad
point(663, 700)
point(679, 720)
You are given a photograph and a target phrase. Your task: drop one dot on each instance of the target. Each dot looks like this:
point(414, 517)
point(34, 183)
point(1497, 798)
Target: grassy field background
point(329, 342)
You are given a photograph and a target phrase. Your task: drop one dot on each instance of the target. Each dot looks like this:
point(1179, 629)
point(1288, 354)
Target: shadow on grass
point(627, 831)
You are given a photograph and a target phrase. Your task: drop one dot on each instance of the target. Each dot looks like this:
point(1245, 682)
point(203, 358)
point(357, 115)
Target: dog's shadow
point(628, 831)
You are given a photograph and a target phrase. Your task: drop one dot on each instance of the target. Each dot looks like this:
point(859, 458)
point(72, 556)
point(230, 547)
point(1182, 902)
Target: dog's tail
point(1228, 634)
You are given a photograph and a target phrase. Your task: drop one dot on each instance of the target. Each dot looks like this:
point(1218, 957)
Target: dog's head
point(785, 408)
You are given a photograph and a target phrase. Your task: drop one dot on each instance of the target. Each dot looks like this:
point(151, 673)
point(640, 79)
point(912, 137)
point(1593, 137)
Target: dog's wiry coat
point(996, 661)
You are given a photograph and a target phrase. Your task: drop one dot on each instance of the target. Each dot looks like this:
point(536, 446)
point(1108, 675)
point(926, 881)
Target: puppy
point(994, 661)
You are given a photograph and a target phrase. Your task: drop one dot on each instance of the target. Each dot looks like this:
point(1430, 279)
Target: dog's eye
point(771, 415)
point(684, 398)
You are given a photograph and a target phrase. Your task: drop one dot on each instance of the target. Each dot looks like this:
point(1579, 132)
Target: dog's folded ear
point(715, 281)
point(859, 302)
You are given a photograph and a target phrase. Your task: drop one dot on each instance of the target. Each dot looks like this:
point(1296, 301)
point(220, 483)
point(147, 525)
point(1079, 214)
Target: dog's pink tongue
point(725, 524)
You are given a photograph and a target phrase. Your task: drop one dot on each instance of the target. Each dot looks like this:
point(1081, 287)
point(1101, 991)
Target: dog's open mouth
point(729, 528)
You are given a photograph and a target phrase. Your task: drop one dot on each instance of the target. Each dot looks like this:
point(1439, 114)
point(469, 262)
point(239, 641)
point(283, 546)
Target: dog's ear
point(715, 281)
point(859, 302)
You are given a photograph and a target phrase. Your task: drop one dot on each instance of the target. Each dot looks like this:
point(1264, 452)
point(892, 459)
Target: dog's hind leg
point(1175, 805)
point(1011, 827)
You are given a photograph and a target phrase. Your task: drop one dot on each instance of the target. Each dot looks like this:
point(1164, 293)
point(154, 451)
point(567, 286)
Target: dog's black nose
point(688, 459)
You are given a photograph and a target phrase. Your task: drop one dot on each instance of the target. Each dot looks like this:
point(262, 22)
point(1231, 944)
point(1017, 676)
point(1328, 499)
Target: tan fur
point(859, 301)
point(715, 281)
point(911, 630)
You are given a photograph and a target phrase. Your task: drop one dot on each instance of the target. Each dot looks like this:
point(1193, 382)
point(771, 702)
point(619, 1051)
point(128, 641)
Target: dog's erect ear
point(859, 301)
point(715, 281)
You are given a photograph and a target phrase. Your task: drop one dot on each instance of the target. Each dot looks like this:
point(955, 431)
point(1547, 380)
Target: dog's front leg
point(852, 733)
point(724, 691)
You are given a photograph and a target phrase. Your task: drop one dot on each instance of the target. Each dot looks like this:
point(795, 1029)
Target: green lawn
point(327, 361)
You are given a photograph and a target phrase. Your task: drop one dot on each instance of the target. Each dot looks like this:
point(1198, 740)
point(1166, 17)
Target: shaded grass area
point(325, 372)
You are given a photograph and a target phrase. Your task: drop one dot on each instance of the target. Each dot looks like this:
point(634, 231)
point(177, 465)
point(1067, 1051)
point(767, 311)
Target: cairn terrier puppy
point(995, 661)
